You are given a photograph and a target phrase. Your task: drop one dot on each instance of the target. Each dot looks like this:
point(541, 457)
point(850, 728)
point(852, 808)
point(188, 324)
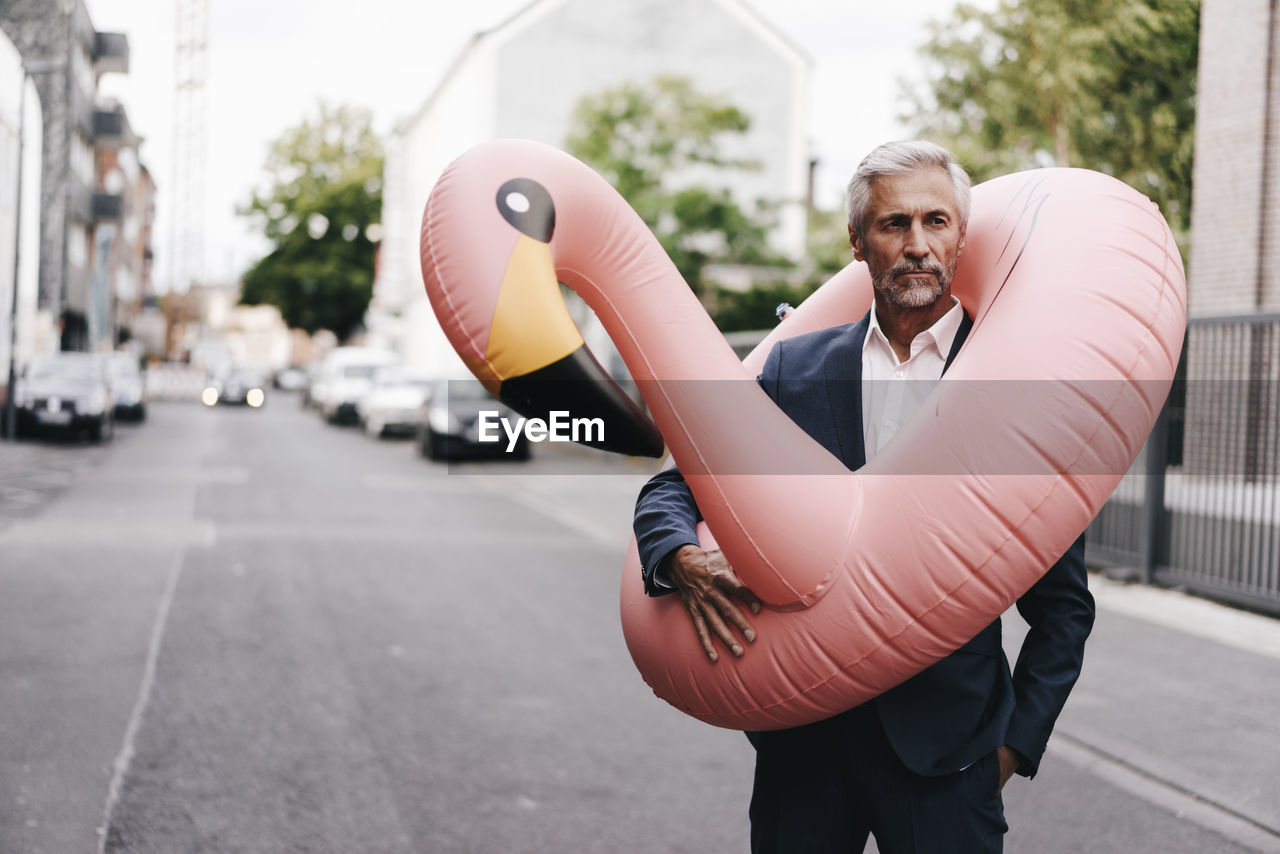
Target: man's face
point(912, 237)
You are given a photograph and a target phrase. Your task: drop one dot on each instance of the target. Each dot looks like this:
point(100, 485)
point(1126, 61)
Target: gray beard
point(915, 295)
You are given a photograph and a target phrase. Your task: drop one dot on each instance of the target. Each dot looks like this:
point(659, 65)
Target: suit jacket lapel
point(966, 323)
point(844, 393)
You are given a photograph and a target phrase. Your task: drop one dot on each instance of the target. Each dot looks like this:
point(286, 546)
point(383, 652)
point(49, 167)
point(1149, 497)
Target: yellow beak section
point(531, 327)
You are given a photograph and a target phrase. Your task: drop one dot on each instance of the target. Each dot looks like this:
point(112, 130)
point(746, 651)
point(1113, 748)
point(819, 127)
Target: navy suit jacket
point(968, 704)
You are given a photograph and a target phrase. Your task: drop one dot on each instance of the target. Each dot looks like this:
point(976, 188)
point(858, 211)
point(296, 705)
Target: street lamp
point(35, 66)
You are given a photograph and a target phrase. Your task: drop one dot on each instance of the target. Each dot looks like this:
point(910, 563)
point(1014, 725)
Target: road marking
point(1181, 802)
point(124, 758)
point(1190, 615)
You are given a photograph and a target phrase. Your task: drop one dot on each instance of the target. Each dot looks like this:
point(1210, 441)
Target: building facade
point(523, 78)
point(79, 216)
point(124, 215)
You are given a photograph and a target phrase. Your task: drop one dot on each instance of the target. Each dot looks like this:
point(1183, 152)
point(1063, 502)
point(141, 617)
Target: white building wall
point(573, 48)
point(459, 115)
point(19, 226)
point(523, 80)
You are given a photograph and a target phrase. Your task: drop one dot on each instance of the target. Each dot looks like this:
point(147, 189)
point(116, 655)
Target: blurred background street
point(244, 630)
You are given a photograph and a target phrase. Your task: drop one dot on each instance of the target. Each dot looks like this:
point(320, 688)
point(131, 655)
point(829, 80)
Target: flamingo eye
point(527, 205)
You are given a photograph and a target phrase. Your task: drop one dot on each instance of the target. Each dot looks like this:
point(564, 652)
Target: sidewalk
point(32, 472)
point(1176, 708)
point(1170, 743)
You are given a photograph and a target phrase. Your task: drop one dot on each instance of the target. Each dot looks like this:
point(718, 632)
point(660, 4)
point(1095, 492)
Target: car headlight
point(255, 397)
point(443, 421)
point(209, 396)
point(95, 403)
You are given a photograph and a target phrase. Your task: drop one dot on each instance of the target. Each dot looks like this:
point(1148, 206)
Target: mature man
point(922, 765)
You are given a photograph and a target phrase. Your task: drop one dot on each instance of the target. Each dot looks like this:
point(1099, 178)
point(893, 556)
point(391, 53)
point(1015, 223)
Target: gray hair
point(894, 158)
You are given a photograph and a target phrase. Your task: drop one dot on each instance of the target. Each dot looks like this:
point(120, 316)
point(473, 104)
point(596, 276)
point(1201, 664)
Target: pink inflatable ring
point(1078, 297)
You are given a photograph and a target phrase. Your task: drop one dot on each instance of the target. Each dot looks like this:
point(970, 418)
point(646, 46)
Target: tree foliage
point(1102, 84)
point(641, 136)
point(324, 192)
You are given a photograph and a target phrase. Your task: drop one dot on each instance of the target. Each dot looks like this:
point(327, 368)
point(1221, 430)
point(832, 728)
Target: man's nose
point(917, 246)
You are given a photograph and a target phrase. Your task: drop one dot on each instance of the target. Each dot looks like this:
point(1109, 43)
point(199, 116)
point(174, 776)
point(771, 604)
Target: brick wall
point(1235, 250)
point(1234, 268)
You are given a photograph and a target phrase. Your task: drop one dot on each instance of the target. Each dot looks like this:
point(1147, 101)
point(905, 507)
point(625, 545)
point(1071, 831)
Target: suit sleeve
point(666, 514)
point(1059, 610)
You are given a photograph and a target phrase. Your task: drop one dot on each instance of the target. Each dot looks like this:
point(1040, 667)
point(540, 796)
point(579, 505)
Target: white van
point(345, 376)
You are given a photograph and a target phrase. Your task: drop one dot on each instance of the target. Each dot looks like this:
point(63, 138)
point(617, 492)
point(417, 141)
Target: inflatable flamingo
point(1078, 296)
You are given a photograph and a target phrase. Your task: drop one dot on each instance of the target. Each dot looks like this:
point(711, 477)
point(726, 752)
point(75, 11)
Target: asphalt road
point(247, 631)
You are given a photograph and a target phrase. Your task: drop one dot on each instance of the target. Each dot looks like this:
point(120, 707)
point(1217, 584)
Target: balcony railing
point(110, 53)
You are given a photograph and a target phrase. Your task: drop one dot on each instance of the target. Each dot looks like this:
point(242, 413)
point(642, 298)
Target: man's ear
point(963, 230)
point(856, 244)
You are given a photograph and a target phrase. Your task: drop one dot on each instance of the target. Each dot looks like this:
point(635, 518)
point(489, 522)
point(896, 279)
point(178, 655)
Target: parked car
point(346, 376)
point(65, 393)
point(128, 388)
point(292, 378)
point(391, 406)
point(312, 386)
point(239, 386)
point(449, 424)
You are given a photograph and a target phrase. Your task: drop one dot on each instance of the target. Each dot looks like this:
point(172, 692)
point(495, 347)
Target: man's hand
point(1009, 763)
point(712, 593)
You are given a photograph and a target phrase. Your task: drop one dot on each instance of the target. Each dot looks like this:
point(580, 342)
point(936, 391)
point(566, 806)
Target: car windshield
point(464, 391)
point(404, 382)
point(81, 369)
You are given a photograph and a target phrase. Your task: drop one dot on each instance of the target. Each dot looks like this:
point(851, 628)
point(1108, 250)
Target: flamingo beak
point(536, 361)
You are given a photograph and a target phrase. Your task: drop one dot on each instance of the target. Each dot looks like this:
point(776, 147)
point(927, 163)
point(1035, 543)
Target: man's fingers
point(730, 610)
point(722, 631)
point(700, 626)
point(744, 595)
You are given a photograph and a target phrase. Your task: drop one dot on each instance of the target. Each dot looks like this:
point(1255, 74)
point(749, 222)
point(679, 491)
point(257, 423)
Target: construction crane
point(186, 209)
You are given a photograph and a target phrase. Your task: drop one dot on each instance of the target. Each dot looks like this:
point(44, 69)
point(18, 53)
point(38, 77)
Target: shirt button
point(897, 373)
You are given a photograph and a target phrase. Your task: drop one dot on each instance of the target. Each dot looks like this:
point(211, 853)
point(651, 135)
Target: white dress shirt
point(892, 391)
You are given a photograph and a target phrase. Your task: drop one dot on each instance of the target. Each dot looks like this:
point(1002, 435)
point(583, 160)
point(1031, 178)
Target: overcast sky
point(270, 61)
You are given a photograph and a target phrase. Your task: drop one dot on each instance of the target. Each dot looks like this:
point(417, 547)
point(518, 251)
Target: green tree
point(1102, 84)
point(324, 192)
point(638, 135)
point(827, 253)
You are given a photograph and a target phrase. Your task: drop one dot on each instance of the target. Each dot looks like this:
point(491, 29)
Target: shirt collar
point(942, 334)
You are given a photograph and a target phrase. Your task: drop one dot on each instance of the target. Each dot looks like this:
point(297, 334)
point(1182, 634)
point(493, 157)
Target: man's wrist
point(1022, 765)
point(661, 577)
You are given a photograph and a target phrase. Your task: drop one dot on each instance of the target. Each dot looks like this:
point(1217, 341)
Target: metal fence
point(1201, 507)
